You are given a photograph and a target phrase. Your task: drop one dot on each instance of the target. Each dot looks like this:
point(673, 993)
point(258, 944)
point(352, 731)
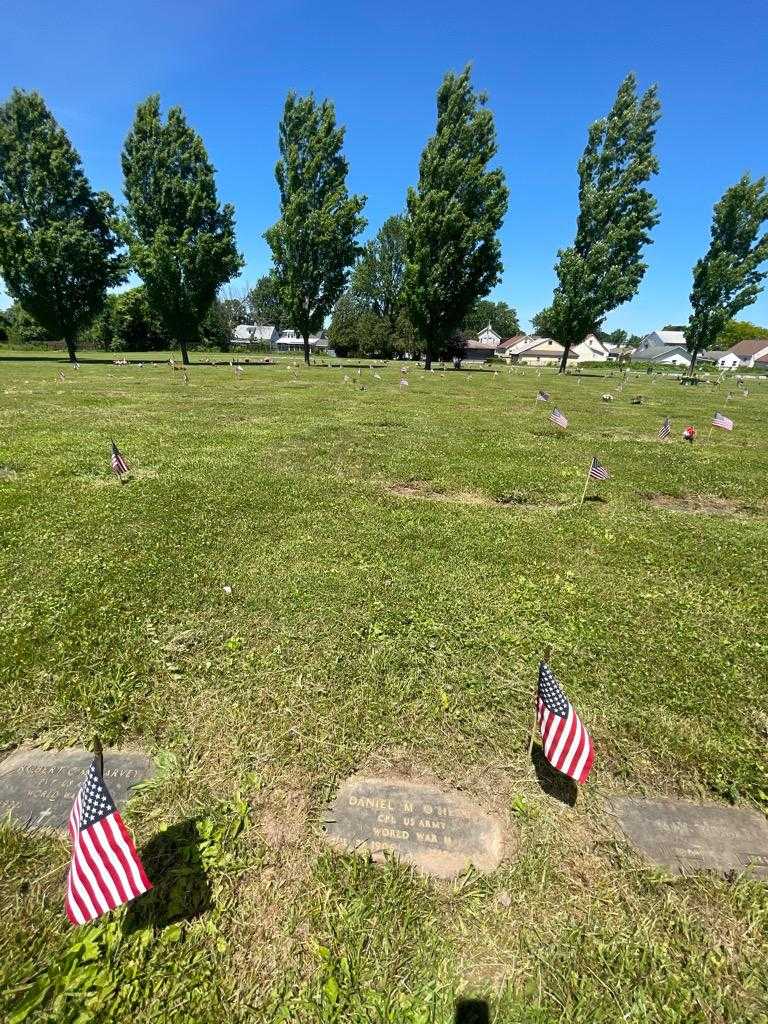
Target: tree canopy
point(370, 318)
point(378, 277)
point(59, 250)
point(182, 242)
point(265, 304)
point(453, 256)
point(730, 275)
point(499, 315)
point(314, 242)
point(739, 330)
point(603, 268)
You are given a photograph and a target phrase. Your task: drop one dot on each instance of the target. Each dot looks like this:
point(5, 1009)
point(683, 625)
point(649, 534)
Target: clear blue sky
point(549, 69)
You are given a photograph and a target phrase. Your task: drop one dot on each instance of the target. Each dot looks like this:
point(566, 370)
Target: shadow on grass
point(472, 1011)
point(181, 891)
point(596, 498)
point(553, 782)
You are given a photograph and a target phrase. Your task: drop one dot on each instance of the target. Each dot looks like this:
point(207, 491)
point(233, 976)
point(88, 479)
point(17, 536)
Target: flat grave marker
point(441, 832)
point(685, 837)
point(38, 787)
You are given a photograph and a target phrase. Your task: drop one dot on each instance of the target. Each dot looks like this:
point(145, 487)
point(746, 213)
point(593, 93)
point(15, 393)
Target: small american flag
point(597, 470)
point(558, 419)
point(542, 396)
point(119, 465)
point(105, 870)
point(61, 375)
point(665, 428)
point(718, 420)
point(567, 744)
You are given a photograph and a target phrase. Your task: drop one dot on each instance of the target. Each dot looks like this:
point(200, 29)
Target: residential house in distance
point(591, 350)
point(267, 336)
point(290, 341)
point(723, 360)
point(659, 339)
point(531, 350)
point(483, 346)
point(753, 352)
point(255, 334)
point(669, 355)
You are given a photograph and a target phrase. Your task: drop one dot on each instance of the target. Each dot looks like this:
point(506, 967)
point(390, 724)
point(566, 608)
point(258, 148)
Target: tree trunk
point(427, 358)
point(694, 357)
point(306, 348)
point(564, 357)
point(184, 353)
point(70, 343)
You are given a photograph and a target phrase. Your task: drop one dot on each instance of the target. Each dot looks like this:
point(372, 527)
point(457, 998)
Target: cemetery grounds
point(308, 577)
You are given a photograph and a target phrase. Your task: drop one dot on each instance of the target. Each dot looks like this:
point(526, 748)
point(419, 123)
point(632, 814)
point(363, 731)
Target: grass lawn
point(398, 559)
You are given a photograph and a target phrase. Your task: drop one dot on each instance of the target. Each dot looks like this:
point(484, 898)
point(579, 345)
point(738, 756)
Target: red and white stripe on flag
point(718, 420)
point(105, 870)
point(567, 744)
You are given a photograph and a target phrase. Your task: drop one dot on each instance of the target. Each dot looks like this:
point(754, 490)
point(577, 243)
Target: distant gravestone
point(38, 787)
point(687, 837)
point(439, 832)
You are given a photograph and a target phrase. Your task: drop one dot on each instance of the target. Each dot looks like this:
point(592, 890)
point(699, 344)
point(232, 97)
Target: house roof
point(714, 355)
point(671, 337)
point(648, 355)
point(250, 332)
point(545, 353)
point(750, 347)
point(491, 346)
point(509, 342)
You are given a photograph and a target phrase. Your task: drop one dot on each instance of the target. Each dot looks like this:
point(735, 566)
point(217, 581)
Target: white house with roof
point(290, 341)
point(590, 350)
point(751, 352)
point(267, 335)
point(531, 350)
point(483, 347)
point(723, 360)
point(660, 339)
point(255, 334)
point(669, 355)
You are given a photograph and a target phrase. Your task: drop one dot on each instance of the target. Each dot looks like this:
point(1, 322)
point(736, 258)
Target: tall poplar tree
point(729, 277)
point(313, 244)
point(58, 248)
point(603, 268)
point(181, 241)
point(453, 256)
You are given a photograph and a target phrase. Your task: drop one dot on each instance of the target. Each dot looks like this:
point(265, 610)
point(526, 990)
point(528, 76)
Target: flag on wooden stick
point(665, 428)
point(567, 744)
point(119, 465)
point(597, 470)
point(105, 870)
point(542, 396)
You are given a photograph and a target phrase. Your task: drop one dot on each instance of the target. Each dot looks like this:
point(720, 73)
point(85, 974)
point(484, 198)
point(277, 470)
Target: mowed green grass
point(364, 630)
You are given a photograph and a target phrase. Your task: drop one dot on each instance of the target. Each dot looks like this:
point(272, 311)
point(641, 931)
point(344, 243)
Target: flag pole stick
point(547, 655)
point(586, 485)
point(98, 753)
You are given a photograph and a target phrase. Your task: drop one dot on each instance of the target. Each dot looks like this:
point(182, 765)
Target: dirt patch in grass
point(423, 490)
point(284, 820)
point(703, 504)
